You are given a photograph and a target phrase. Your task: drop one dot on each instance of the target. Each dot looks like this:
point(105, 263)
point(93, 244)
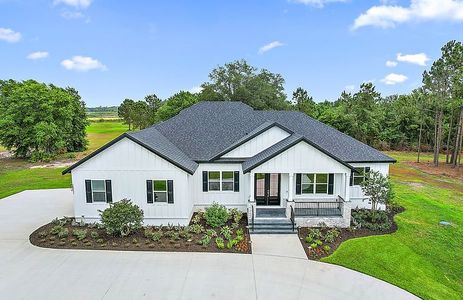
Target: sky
point(112, 50)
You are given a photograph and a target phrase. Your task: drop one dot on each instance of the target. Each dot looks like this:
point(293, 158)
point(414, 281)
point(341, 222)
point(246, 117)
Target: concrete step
point(272, 221)
point(272, 231)
point(276, 226)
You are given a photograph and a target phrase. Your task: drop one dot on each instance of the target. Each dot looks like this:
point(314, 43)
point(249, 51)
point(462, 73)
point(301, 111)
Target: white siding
point(301, 158)
point(357, 196)
point(128, 166)
point(228, 198)
point(259, 143)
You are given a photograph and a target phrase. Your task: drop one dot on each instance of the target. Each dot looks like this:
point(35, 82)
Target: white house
point(274, 164)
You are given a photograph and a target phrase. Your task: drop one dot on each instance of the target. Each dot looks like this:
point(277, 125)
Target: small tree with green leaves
point(122, 217)
point(378, 188)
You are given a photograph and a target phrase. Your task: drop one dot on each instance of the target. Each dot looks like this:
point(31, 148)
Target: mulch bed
point(136, 241)
point(345, 234)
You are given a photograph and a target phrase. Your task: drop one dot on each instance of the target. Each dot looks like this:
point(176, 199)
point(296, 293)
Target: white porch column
point(290, 187)
point(251, 187)
point(347, 187)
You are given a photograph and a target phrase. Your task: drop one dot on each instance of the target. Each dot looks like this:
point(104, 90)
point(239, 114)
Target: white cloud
point(37, 55)
point(72, 15)
point(82, 63)
point(417, 59)
point(391, 63)
point(82, 4)
point(388, 16)
point(270, 46)
point(317, 3)
point(195, 89)
point(394, 78)
point(9, 35)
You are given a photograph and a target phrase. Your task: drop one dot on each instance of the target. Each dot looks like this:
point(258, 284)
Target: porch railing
point(293, 217)
point(251, 217)
point(319, 208)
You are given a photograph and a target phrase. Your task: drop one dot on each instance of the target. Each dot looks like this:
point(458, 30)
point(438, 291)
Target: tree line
point(427, 119)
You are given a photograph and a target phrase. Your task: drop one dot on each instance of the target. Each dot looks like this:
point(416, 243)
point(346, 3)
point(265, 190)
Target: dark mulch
point(345, 234)
point(136, 241)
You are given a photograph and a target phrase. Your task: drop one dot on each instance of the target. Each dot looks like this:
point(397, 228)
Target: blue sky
point(111, 50)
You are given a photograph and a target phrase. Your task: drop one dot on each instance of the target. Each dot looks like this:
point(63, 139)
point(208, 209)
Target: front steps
point(271, 221)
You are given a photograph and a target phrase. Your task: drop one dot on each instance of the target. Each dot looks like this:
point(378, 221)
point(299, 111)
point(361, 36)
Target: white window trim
point(93, 198)
point(220, 182)
point(315, 184)
point(166, 191)
point(355, 175)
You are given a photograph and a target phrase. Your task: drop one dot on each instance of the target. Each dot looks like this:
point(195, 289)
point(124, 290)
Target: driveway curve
point(29, 272)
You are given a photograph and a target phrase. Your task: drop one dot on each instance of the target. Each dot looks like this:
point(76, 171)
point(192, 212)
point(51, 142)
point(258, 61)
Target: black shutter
point(298, 184)
point(149, 191)
point(205, 181)
point(170, 191)
point(330, 184)
point(236, 181)
point(109, 192)
point(88, 190)
point(351, 182)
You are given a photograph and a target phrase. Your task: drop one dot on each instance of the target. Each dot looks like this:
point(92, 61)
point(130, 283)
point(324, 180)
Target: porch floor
point(317, 212)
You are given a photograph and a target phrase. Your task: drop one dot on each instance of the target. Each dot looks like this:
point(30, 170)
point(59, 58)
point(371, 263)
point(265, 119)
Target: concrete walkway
point(285, 245)
point(28, 272)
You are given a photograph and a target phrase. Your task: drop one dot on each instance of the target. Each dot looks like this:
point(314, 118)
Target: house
point(273, 164)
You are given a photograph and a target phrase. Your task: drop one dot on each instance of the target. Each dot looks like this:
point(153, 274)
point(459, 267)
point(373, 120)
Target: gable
point(299, 158)
point(127, 155)
point(258, 143)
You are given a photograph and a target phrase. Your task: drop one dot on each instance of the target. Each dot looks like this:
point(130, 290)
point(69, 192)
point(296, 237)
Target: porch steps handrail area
point(319, 208)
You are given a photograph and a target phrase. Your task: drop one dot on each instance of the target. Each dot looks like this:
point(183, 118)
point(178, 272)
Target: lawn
point(422, 257)
point(16, 175)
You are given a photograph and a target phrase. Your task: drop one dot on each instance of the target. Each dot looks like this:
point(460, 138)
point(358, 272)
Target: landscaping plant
point(377, 187)
point(216, 215)
point(121, 218)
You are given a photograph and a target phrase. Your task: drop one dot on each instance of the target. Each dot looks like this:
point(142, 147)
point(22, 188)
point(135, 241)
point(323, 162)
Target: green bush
point(80, 234)
point(211, 232)
point(314, 233)
point(121, 218)
point(196, 228)
point(157, 235)
point(331, 235)
point(373, 220)
point(220, 243)
point(308, 239)
point(94, 234)
point(216, 215)
point(63, 233)
point(205, 241)
point(226, 232)
point(56, 229)
point(326, 248)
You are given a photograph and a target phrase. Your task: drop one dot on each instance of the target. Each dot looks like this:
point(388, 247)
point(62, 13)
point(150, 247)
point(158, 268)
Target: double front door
point(267, 188)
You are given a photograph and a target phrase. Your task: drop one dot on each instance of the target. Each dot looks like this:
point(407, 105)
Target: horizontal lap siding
point(128, 166)
point(357, 196)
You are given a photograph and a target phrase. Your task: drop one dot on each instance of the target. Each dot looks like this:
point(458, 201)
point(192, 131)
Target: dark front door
point(267, 188)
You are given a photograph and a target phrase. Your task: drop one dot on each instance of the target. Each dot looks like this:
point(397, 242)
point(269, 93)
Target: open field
point(16, 175)
point(421, 256)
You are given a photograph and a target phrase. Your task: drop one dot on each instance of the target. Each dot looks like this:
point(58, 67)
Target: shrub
point(232, 243)
point(308, 239)
point(63, 233)
point(122, 217)
point(318, 242)
point(314, 233)
point(94, 234)
point(239, 232)
point(313, 245)
point(157, 235)
point(219, 242)
point(211, 232)
point(80, 234)
point(56, 229)
point(197, 218)
point(205, 241)
point(226, 232)
point(148, 233)
point(326, 248)
point(331, 235)
point(100, 241)
point(196, 228)
point(216, 215)
point(373, 220)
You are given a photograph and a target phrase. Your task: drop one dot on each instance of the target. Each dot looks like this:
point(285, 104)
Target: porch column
point(290, 187)
point(251, 187)
point(346, 187)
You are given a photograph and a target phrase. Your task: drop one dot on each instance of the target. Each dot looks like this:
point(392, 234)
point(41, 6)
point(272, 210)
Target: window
point(98, 191)
point(214, 181)
point(360, 175)
point(227, 181)
point(314, 183)
point(221, 181)
point(160, 190)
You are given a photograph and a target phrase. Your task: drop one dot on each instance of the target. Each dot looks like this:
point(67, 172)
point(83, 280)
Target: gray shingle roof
point(207, 130)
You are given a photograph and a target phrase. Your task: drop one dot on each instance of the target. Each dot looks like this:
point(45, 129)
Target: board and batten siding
point(228, 198)
point(128, 166)
point(259, 143)
point(357, 197)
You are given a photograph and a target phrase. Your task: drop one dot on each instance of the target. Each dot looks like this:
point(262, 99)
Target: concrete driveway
point(28, 272)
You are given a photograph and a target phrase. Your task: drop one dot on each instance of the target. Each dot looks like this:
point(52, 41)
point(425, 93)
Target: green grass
point(17, 176)
point(422, 257)
point(15, 181)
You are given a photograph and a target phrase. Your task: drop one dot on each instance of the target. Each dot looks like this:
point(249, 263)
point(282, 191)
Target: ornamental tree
point(377, 187)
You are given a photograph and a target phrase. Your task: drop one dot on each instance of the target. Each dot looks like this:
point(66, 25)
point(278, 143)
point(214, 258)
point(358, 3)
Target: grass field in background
point(422, 257)
point(16, 174)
